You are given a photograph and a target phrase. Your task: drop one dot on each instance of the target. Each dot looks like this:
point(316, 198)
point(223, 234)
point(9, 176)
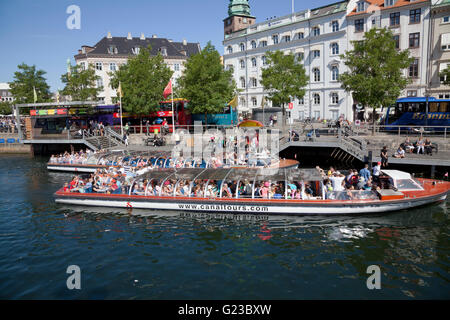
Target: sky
point(35, 31)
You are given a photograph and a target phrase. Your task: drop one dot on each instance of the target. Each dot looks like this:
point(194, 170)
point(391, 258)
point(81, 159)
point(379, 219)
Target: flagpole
point(120, 104)
point(173, 114)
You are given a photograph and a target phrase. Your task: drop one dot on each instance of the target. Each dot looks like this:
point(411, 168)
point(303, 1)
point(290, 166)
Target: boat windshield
point(407, 184)
point(352, 195)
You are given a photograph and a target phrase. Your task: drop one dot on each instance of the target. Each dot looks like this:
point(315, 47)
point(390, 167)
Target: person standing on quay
point(384, 157)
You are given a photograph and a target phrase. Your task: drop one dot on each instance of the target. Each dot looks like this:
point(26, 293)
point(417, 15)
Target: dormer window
point(361, 6)
point(112, 50)
point(163, 51)
point(136, 50)
point(389, 3)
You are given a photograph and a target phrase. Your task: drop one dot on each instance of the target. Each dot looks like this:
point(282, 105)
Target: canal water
point(151, 255)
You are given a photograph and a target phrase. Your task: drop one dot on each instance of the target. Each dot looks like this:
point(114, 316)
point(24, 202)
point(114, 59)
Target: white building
point(317, 37)
point(409, 20)
point(5, 94)
point(112, 52)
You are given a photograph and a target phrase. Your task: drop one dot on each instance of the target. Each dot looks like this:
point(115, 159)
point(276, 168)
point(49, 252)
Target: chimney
point(79, 51)
point(142, 36)
point(154, 36)
point(184, 42)
point(109, 36)
point(129, 36)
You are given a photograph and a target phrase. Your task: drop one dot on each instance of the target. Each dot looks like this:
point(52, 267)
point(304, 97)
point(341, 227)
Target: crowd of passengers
point(335, 185)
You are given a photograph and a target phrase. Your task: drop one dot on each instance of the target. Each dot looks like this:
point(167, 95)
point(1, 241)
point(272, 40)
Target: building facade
point(5, 93)
point(111, 52)
point(317, 37)
point(439, 48)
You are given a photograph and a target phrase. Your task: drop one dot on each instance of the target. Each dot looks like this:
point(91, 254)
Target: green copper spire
point(239, 7)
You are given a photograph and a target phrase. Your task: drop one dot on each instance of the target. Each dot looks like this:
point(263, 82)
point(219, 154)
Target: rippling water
point(151, 255)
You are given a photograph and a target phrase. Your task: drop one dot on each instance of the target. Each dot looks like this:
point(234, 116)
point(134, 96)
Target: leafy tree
point(284, 79)
point(445, 74)
point(80, 84)
point(375, 76)
point(25, 80)
point(5, 107)
point(205, 83)
point(143, 80)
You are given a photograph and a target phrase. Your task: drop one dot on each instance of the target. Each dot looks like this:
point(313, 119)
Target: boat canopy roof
point(114, 155)
point(234, 174)
point(397, 175)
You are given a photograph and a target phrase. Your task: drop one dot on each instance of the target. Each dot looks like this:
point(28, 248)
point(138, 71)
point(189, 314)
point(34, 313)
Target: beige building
point(440, 47)
point(111, 52)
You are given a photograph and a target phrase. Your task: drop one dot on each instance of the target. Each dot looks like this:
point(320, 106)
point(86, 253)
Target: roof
point(397, 175)
point(124, 47)
point(379, 4)
point(440, 3)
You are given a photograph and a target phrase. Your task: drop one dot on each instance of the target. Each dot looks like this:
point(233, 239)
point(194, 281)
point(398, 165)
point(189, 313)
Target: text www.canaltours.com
point(223, 207)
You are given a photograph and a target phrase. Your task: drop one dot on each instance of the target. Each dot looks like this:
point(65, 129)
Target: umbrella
point(250, 123)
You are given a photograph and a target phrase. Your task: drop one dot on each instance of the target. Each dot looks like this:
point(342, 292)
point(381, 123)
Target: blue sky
point(35, 32)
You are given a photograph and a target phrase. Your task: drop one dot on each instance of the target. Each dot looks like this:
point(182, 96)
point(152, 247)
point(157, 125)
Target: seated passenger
point(400, 153)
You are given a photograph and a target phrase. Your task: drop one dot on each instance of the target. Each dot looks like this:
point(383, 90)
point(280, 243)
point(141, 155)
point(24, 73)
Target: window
point(254, 82)
point(411, 93)
point(112, 50)
point(176, 67)
point(316, 73)
point(316, 31)
point(300, 56)
point(335, 26)
point(316, 98)
point(135, 50)
point(254, 64)
point(316, 53)
point(253, 44)
point(242, 101)
point(230, 49)
point(414, 16)
point(359, 25)
point(446, 19)
point(414, 40)
point(264, 60)
point(82, 66)
point(397, 41)
point(334, 48)
point(264, 43)
point(99, 83)
point(112, 66)
point(394, 19)
point(389, 3)
point(334, 115)
point(334, 98)
point(287, 38)
point(334, 73)
point(275, 39)
point(242, 64)
point(242, 80)
point(361, 6)
point(301, 101)
point(230, 67)
point(254, 102)
point(317, 114)
point(163, 51)
point(242, 47)
point(445, 41)
point(300, 35)
point(98, 66)
point(414, 69)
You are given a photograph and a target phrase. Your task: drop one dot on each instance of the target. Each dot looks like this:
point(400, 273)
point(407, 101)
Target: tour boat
point(159, 159)
point(399, 191)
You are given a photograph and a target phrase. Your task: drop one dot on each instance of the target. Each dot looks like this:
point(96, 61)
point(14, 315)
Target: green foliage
point(80, 84)
point(143, 80)
point(375, 75)
point(205, 83)
point(24, 80)
point(446, 75)
point(5, 108)
point(284, 79)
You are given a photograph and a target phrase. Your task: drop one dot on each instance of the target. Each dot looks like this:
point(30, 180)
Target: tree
point(375, 76)
point(5, 107)
point(80, 84)
point(284, 79)
point(205, 83)
point(25, 80)
point(143, 80)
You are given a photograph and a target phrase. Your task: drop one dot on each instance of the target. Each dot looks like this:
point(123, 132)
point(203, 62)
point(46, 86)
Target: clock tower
point(239, 17)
